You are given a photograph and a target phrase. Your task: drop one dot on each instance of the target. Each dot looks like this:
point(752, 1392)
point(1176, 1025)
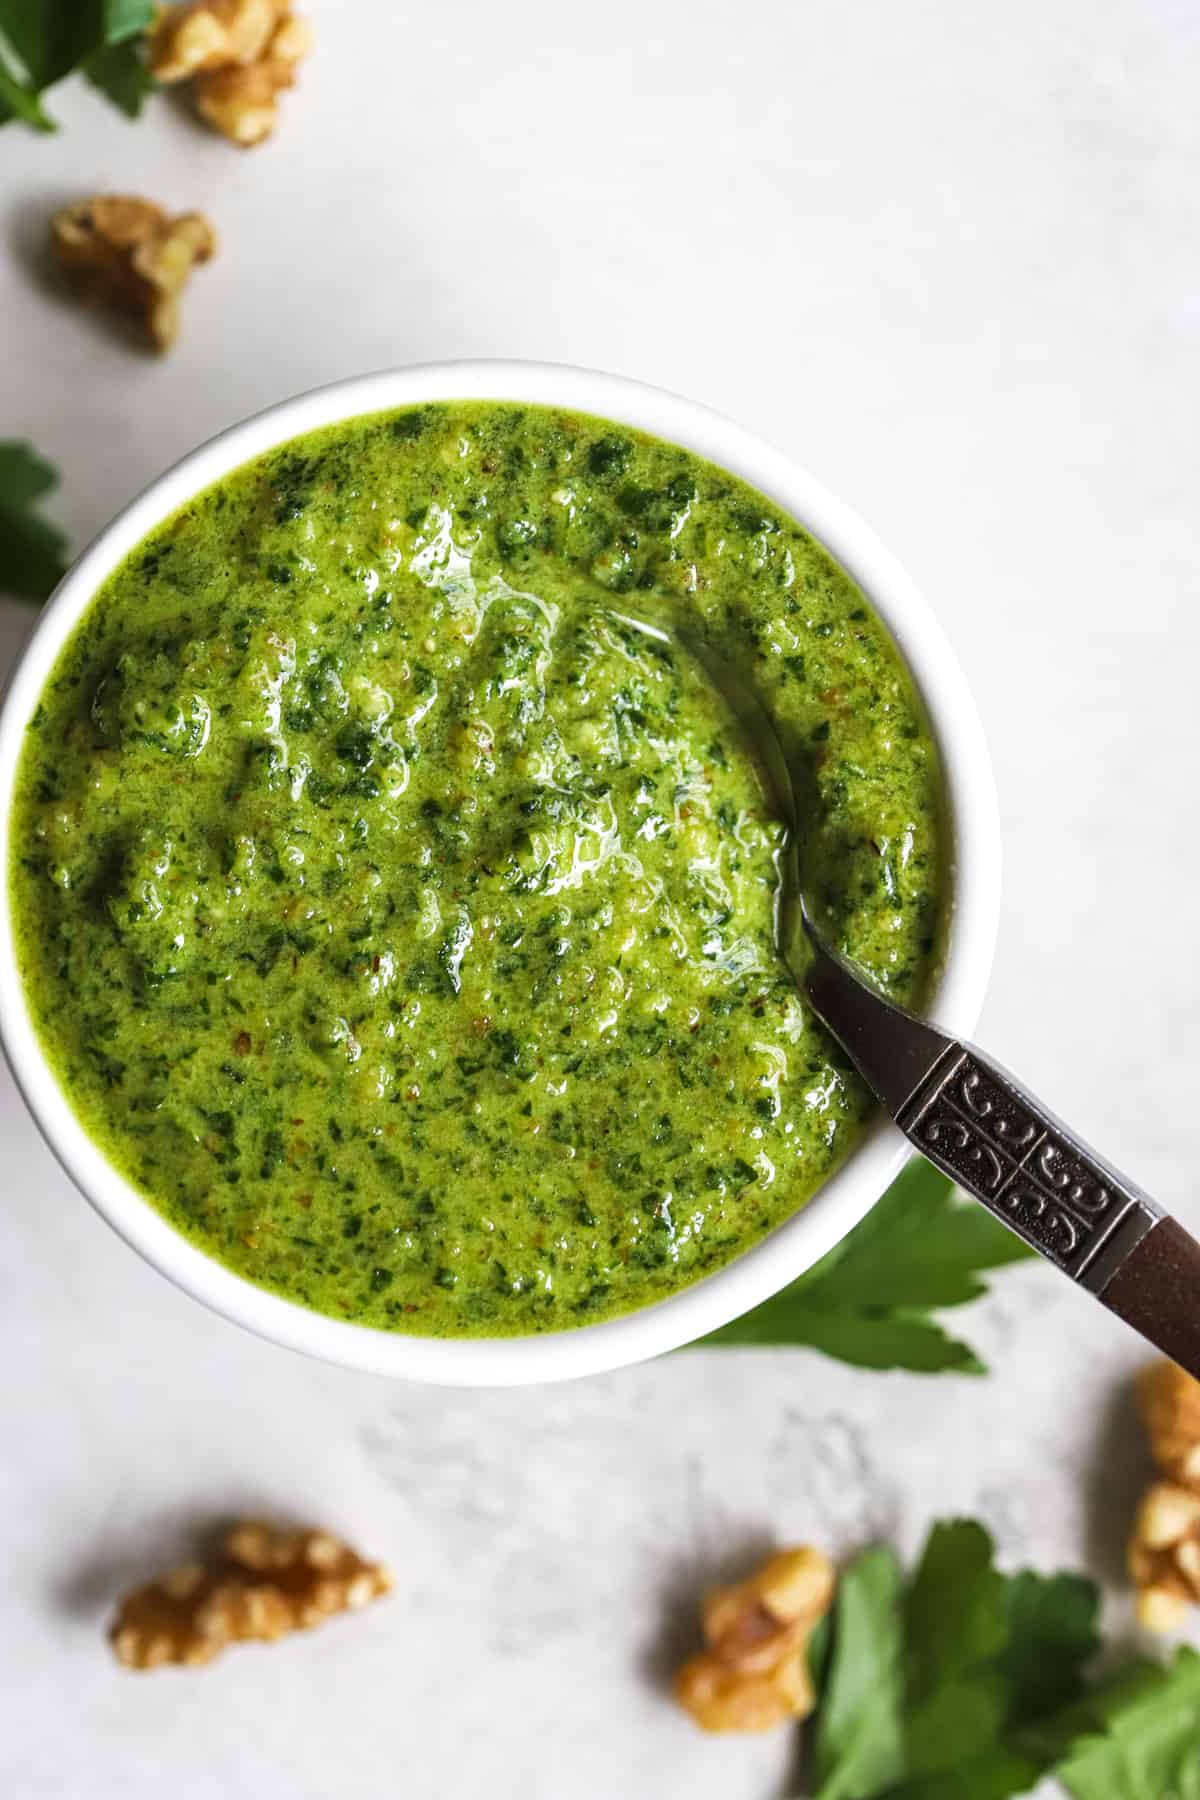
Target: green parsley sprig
point(870, 1302)
point(44, 41)
point(963, 1683)
point(32, 550)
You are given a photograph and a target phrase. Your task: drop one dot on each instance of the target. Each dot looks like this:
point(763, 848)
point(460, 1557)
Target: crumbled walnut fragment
point(1164, 1546)
point(243, 103)
point(265, 1583)
point(754, 1673)
point(1170, 1405)
point(241, 55)
point(1164, 1555)
point(129, 253)
point(210, 34)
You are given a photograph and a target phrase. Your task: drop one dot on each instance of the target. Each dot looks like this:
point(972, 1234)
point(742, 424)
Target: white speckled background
point(948, 255)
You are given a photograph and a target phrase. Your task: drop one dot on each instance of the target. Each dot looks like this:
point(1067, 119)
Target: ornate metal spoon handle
point(968, 1115)
point(962, 1111)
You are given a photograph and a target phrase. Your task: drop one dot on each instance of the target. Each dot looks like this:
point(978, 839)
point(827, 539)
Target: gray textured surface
point(946, 256)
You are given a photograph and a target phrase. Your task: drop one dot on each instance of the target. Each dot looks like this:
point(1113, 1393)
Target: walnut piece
point(1164, 1546)
point(210, 34)
point(265, 1583)
point(1164, 1555)
point(754, 1672)
point(1169, 1401)
point(131, 254)
point(244, 103)
point(240, 54)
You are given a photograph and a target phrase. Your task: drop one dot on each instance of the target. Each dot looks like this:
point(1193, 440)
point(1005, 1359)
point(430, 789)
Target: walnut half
point(240, 55)
point(131, 254)
point(265, 1583)
point(210, 34)
point(754, 1672)
point(1169, 1400)
point(1164, 1555)
point(1164, 1546)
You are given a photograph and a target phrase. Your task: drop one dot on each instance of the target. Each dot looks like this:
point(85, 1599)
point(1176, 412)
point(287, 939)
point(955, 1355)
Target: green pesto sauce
point(399, 921)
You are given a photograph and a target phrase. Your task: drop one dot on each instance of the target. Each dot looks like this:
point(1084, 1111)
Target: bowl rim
point(973, 821)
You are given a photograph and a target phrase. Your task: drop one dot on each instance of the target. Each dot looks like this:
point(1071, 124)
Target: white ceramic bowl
point(844, 1199)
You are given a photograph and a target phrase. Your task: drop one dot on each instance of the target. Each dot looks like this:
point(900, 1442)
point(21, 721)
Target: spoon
point(962, 1111)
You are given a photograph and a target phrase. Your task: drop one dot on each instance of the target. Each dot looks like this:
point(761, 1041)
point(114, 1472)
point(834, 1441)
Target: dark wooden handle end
point(1157, 1291)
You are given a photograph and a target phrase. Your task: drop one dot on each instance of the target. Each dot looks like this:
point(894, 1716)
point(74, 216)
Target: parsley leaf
point(995, 1773)
point(119, 72)
point(868, 1302)
point(945, 1688)
point(858, 1746)
point(32, 551)
point(955, 1632)
point(1145, 1738)
point(43, 41)
point(20, 102)
point(1051, 1636)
